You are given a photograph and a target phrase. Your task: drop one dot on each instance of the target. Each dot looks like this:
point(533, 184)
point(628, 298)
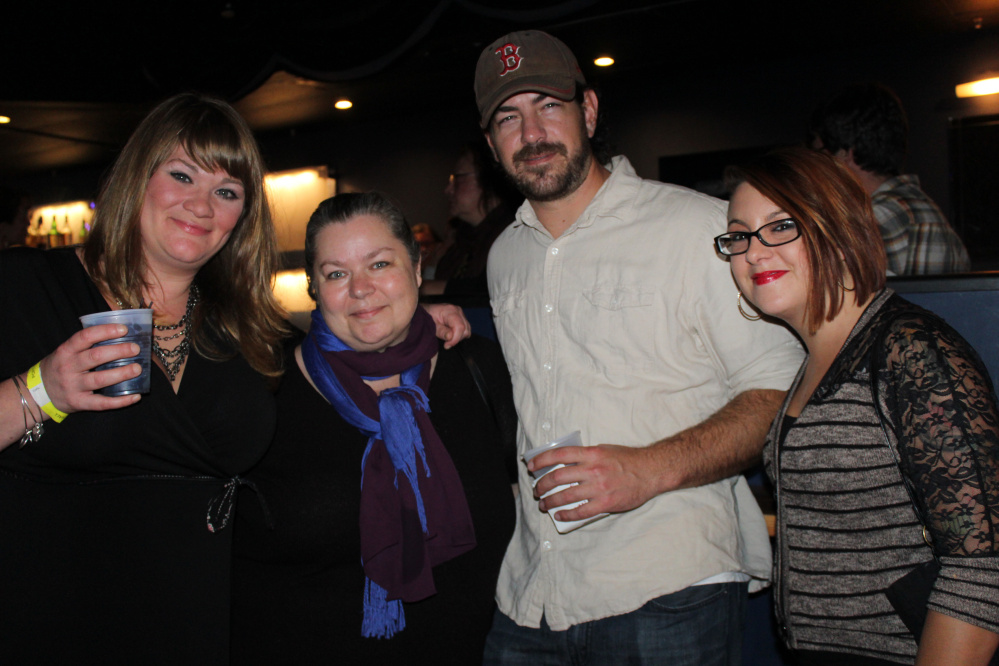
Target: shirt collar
point(896, 181)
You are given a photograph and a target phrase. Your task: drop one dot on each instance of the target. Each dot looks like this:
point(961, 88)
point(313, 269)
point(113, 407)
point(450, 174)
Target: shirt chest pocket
point(618, 326)
point(619, 298)
point(510, 314)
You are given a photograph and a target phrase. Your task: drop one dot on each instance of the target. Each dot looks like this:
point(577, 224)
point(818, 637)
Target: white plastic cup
point(140, 331)
point(563, 526)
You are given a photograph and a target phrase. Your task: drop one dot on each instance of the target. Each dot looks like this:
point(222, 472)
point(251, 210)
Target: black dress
point(105, 553)
point(297, 589)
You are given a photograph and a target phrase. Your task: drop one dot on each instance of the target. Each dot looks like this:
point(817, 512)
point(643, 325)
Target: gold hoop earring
point(750, 317)
point(843, 286)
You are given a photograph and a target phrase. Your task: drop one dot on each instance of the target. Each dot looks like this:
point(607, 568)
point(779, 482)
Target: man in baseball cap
point(617, 320)
point(550, 68)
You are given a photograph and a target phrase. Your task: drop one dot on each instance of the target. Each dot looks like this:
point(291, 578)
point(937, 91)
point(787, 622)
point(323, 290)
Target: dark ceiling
point(77, 77)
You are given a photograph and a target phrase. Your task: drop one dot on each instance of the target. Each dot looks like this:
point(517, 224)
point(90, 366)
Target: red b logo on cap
point(510, 57)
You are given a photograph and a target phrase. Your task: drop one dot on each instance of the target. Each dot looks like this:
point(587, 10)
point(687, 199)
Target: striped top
point(846, 528)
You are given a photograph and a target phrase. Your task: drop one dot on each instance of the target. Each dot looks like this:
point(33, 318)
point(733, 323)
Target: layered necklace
point(172, 359)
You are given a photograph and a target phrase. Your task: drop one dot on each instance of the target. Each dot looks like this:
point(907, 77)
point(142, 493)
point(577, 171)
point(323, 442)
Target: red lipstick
point(767, 276)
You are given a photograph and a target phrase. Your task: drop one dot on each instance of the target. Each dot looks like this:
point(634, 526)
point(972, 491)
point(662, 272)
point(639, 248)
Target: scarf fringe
point(402, 437)
point(382, 618)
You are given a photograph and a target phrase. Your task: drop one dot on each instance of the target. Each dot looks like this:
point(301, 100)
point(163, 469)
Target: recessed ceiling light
point(4, 120)
point(343, 104)
point(604, 61)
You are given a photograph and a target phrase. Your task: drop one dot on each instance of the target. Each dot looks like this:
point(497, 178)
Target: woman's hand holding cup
point(67, 375)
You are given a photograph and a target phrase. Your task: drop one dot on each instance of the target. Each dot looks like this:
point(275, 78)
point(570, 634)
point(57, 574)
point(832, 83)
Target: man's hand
point(610, 478)
point(614, 479)
point(452, 327)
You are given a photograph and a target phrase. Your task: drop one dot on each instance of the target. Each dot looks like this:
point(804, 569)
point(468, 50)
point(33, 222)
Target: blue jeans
point(698, 626)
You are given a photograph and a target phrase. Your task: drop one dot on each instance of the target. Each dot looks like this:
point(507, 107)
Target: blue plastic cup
point(140, 331)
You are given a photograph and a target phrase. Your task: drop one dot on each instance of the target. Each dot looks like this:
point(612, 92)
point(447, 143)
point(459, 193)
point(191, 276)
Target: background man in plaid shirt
point(865, 128)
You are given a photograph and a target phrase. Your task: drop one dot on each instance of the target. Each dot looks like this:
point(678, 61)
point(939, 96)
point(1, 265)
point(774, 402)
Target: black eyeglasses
point(771, 235)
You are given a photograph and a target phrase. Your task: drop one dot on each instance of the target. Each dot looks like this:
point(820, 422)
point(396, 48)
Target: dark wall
point(698, 107)
point(409, 159)
point(738, 107)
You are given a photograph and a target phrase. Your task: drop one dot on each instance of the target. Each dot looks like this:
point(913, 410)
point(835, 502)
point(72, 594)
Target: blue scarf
point(414, 514)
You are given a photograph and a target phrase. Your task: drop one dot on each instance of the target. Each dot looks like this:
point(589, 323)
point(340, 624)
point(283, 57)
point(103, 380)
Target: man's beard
point(550, 182)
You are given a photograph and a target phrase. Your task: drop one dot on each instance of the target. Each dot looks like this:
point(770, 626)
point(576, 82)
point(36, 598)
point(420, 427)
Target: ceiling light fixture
point(604, 61)
point(343, 104)
point(985, 86)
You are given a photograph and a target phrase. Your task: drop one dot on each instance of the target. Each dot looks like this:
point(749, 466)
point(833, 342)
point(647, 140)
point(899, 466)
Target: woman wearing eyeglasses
point(860, 466)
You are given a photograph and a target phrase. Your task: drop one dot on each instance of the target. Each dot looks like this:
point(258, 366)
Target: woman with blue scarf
point(387, 483)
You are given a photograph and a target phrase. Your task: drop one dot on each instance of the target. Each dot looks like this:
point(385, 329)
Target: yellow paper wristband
point(41, 396)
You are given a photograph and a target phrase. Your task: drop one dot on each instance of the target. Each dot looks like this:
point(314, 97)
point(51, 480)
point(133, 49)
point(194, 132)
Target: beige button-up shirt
point(626, 328)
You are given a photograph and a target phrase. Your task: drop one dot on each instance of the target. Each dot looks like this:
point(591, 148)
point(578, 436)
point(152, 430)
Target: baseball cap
point(524, 61)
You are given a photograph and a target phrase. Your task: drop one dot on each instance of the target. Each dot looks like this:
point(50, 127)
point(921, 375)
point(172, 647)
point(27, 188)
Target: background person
point(340, 507)
point(616, 322)
point(430, 248)
point(800, 241)
point(481, 202)
point(865, 127)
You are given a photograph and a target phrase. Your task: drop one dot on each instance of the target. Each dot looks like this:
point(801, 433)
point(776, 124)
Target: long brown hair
point(238, 312)
point(837, 222)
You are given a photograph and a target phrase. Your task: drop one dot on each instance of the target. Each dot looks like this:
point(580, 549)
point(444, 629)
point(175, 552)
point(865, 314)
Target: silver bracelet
point(34, 433)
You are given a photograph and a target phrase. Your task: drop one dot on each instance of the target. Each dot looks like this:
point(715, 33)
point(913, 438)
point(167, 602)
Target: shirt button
point(554, 250)
point(549, 307)
point(546, 426)
point(547, 366)
point(546, 546)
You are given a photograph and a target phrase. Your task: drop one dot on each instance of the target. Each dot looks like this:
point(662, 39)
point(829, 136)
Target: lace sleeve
point(945, 412)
